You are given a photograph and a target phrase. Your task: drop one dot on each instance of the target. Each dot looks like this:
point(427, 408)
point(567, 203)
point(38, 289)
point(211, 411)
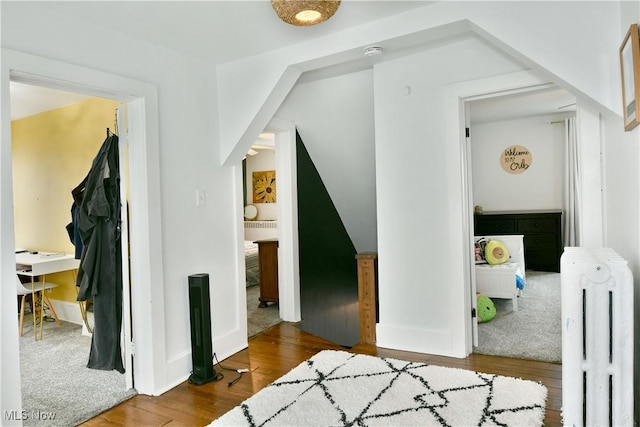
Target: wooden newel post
point(367, 296)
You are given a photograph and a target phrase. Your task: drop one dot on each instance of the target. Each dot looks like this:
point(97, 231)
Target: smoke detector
point(373, 51)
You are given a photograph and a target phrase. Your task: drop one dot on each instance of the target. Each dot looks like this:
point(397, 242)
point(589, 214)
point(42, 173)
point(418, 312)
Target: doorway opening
point(283, 134)
point(145, 230)
point(55, 137)
point(260, 201)
point(516, 164)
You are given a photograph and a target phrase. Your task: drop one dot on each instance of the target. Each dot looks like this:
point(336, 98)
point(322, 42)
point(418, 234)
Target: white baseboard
point(408, 338)
point(70, 312)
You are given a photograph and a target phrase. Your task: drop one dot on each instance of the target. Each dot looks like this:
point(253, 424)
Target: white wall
point(540, 186)
point(622, 210)
point(624, 188)
point(630, 13)
point(195, 239)
point(622, 185)
point(548, 36)
point(416, 177)
point(589, 134)
point(335, 120)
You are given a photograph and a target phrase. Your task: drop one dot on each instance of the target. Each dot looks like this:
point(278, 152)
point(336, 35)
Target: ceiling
point(207, 23)
point(27, 100)
point(199, 28)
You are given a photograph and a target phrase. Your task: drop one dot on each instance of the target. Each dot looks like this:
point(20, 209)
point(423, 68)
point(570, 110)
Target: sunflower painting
point(264, 187)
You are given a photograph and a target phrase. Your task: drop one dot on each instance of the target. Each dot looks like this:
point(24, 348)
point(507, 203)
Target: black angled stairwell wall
point(328, 269)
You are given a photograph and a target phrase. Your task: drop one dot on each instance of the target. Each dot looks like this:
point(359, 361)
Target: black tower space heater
point(201, 347)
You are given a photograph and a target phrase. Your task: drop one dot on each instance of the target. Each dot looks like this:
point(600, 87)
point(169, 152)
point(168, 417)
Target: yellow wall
point(52, 153)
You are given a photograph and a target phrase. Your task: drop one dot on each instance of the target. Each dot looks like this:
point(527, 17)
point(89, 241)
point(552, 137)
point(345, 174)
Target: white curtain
point(572, 200)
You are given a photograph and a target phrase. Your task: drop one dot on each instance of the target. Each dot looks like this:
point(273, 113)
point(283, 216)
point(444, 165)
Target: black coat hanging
point(100, 273)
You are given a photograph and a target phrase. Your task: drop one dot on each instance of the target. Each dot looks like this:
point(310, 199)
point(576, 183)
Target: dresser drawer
point(547, 242)
point(493, 225)
point(542, 234)
point(537, 225)
point(543, 260)
point(541, 257)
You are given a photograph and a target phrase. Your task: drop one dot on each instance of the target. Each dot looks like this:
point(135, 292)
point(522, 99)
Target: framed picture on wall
point(630, 73)
point(264, 186)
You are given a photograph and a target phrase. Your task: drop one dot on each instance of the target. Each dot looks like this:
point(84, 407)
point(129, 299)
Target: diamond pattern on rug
point(337, 388)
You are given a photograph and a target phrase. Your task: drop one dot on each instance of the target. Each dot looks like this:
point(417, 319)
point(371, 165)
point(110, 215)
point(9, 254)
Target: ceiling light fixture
point(305, 12)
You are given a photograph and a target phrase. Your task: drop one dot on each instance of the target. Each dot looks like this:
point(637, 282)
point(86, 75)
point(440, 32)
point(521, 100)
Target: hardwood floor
point(280, 349)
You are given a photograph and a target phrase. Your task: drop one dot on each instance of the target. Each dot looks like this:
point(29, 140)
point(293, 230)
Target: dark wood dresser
point(268, 261)
point(542, 232)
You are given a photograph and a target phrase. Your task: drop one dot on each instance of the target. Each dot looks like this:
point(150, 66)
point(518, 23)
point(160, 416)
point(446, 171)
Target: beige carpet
point(252, 263)
point(533, 332)
point(57, 387)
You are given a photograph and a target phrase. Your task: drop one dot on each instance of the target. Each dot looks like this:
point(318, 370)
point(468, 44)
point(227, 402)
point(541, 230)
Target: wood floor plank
point(127, 414)
point(280, 349)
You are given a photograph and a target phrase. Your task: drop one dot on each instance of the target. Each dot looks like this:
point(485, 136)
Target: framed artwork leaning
point(630, 74)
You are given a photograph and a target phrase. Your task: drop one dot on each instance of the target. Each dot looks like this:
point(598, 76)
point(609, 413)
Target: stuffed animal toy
point(496, 252)
point(486, 308)
point(480, 244)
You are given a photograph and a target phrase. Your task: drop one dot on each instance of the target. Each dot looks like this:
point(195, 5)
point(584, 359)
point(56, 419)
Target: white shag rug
point(336, 388)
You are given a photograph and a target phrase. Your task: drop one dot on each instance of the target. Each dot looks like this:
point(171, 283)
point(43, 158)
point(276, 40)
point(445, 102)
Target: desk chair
point(24, 289)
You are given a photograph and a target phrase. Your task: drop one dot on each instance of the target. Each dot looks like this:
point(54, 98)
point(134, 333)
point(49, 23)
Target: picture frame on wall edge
point(630, 74)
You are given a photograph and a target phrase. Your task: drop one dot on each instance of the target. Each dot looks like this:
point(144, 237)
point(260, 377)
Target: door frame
point(288, 260)
point(145, 222)
point(456, 97)
point(287, 211)
point(589, 132)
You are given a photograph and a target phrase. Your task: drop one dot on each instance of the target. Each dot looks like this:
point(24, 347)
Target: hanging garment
point(72, 230)
point(100, 273)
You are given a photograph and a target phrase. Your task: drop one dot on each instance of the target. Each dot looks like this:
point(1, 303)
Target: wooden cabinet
point(367, 266)
point(542, 232)
point(268, 265)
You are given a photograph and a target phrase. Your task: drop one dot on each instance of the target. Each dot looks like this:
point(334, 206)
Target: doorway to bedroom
point(260, 200)
point(518, 163)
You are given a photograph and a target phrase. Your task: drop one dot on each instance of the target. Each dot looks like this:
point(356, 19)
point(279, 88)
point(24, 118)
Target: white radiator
point(261, 224)
point(597, 338)
point(259, 230)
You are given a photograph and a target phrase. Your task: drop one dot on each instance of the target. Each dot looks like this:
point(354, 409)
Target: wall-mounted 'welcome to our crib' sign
point(515, 159)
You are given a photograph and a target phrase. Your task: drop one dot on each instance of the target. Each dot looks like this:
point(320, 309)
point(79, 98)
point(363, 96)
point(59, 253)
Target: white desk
point(40, 264)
